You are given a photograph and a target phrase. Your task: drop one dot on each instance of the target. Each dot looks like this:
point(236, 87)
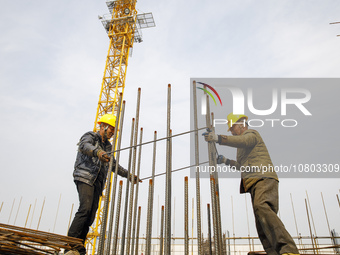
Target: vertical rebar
point(209, 229)
point(42, 209)
point(311, 215)
point(115, 238)
point(102, 234)
point(35, 203)
point(69, 221)
point(28, 214)
point(1, 206)
point(324, 207)
point(338, 199)
point(136, 192)
point(245, 199)
point(56, 216)
point(161, 239)
point(296, 226)
point(122, 246)
point(119, 133)
point(137, 233)
point(310, 228)
point(10, 214)
point(167, 249)
point(16, 216)
point(150, 200)
point(133, 174)
point(232, 215)
point(186, 216)
point(198, 189)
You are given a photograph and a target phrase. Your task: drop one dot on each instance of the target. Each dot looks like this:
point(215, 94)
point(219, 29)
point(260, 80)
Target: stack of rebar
point(17, 240)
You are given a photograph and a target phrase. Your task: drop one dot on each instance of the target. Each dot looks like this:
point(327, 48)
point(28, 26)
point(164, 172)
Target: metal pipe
point(198, 191)
point(209, 229)
point(69, 222)
point(138, 227)
point(133, 174)
point(127, 191)
point(115, 181)
point(56, 216)
point(115, 238)
point(35, 203)
point(150, 200)
point(10, 214)
point(16, 216)
point(167, 249)
point(136, 192)
point(161, 239)
point(102, 234)
point(42, 209)
point(186, 216)
point(29, 209)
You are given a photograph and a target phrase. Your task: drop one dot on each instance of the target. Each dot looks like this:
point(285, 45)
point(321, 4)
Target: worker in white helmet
point(259, 179)
point(90, 171)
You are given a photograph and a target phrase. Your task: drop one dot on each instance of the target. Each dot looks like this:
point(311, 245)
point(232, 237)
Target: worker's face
point(236, 129)
point(109, 131)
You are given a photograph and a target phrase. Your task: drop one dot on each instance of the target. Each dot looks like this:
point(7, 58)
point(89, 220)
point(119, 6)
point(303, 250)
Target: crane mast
point(123, 25)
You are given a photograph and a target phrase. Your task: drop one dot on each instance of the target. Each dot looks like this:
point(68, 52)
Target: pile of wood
point(16, 240)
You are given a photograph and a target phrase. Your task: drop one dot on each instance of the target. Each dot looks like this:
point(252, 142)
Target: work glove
point(210, 136)
point(102, 155)
point(221, 159)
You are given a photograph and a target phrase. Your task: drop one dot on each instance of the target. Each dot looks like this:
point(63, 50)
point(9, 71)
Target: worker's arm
point(241, 141)
point(87, 146)
point(229, 162)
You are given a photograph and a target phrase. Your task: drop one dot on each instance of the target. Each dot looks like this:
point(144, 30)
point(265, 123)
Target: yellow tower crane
point(123, 25)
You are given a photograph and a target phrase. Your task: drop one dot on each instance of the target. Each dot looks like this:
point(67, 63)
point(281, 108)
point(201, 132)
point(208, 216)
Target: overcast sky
point(52, 59)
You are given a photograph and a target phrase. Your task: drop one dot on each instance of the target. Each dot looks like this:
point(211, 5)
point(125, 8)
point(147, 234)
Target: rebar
point(10, 214)
point(122, 246)
point(56, 215)
point(138, 227)
point(2, 203)
point(198, 191)
point(42, 209)
point(150, 200)
point(136, 192)
point(186, 216)
point(209, 229)
point(69, 222)
point(102, 234)
point(311, 215)
point(35, 203)
point(296, 226)
point(16, 216)
point(28, 214)
point(167, 249)
point(310, 229)
point(337, 196)
point(245, 200)
point(324, 207)
point(115, 238)
point(133, 173)
point(115, 181)
point(161, 237)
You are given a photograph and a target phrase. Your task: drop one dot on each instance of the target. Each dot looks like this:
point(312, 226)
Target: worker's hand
point(102, 155)
point(210, 136)
point(135, 179)
point(223, 160)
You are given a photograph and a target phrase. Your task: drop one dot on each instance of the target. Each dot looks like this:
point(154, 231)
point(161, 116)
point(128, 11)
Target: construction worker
point(90, 171)
point(259, 179)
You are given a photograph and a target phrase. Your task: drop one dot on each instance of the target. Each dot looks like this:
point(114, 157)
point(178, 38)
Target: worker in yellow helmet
point(90, 172)
point(259, 179)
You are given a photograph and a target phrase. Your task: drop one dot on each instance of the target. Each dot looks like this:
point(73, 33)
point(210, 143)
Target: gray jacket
point(88, 168)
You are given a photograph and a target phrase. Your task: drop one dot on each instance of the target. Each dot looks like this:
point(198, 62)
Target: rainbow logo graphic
point(209, 93)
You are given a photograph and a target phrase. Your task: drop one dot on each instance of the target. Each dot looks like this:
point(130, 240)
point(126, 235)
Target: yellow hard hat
point(233, 118)
point(108, 119)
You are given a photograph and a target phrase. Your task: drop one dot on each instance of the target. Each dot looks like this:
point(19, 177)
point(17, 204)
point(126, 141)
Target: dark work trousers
point(88, 205)
point(272, 233)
